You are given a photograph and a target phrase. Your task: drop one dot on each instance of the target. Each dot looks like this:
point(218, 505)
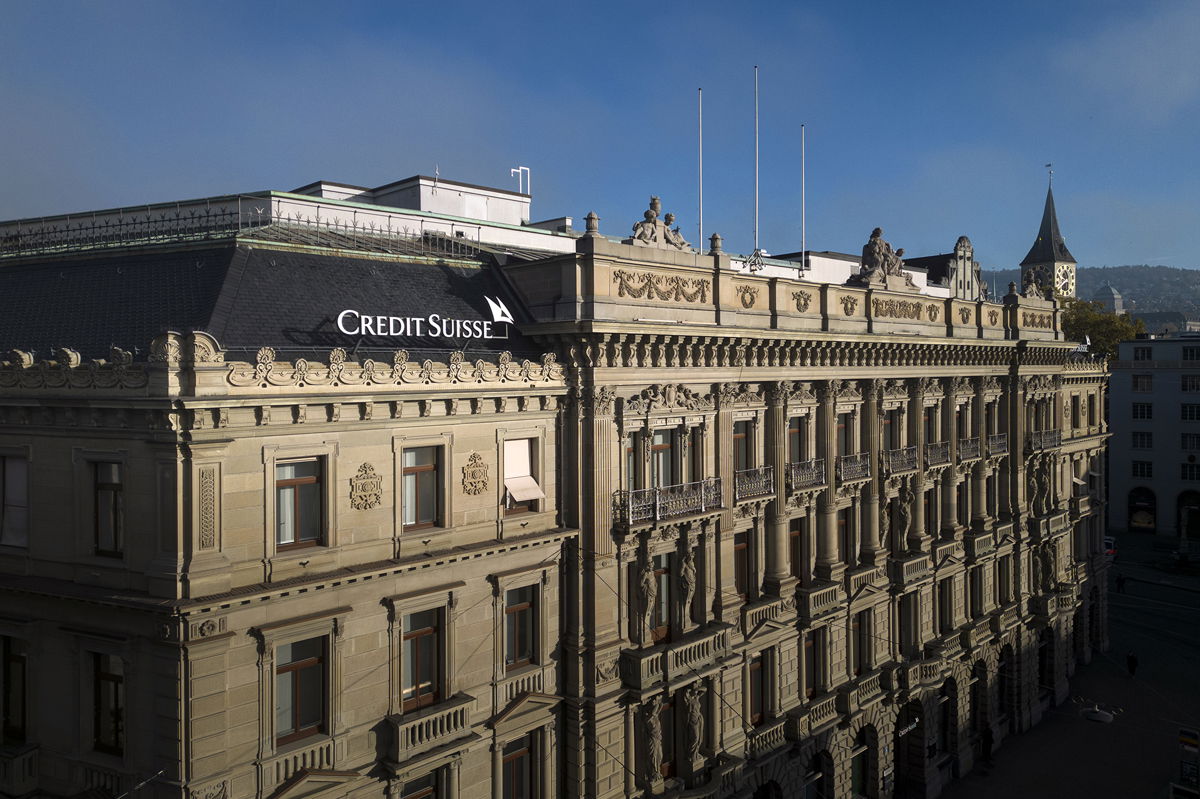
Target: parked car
point(1110, 548)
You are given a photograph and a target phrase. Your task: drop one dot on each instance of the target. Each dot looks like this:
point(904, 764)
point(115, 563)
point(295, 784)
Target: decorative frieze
point(668, 288)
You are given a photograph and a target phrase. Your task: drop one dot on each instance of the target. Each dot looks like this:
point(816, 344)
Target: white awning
point(516, 458)
point(523, 488)
point(1078, 482)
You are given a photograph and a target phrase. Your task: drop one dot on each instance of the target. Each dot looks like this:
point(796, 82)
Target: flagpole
point(803, 209)
point(700, 167)
point(756, 158)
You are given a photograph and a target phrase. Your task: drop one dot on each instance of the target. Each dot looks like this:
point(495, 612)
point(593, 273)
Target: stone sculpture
point(652, 728)
point(687, 582)
point(693, 698)
point(648, 583)
point(655, 232)
point(880, 261)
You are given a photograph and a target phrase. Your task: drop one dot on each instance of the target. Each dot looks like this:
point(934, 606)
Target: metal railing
point(757, 482)
point(998, 444)
point(968, 449)
point(667, 502)
point(806, 474)
point(937, 453)
point(900, 460)
point(1045, 439)
point(854, 467)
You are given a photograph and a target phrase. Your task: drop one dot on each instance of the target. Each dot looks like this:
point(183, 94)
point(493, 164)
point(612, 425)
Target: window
point(796, 448)
point(1189, 471)
point(109, 508)
point(14, 501)
point(1189, 412)
point(522, 491)
point(1076, 412)
point(108, 704)
point(299, 514)
point(300, 689)
point(1189, 353)
point(796, 547)
point(1189, 441)
point(666, 718)
point(976, 588)
point(1143, 353)
point(12, 690)
point(631, 469)
point(421, 684)
point(1143, 383)
point(1091, 410)
point(1143, 468)
point(861, 640)
point(945, 600)
point(518, 763)
point(859, 764)
point(946, 718)
point(520, 627)
point(1004, 579)
point(910, 624)
point(423, 788)
point(1190, 383)
point(843, 433)
point(662, 459)
point(813, 640)
point(931, 426)
point(893, 424)
point(660, 615)
point(741, 565)
point(422, 494)
point(1143, 440)
point(1143, 410)
point(757, 692)
point(742, 441)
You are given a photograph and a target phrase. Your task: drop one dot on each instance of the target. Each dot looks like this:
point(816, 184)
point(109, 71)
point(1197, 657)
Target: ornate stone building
point(378, 509)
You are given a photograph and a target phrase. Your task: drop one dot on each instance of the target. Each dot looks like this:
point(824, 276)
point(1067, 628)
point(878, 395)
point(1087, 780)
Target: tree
point(1083, 320)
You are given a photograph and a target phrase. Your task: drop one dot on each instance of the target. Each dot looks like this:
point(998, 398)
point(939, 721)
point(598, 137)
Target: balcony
point(821, 712)
point(860, 694)
point(697, 652)
point(754, 616)
point(968, 449)
point(432, 727)
point(1081, 505)
point(910, 569)
point(1043, 440)
point(819, 600)
point(976, 545)
point(768, 738)
point(751, 483)
point(854, 467)
point(806, 474)
point(937, 453)
point(647, 505)
point(977, 633)
point(1005, 619)
point(18, 769)
point(998, 444)
point(900, 460)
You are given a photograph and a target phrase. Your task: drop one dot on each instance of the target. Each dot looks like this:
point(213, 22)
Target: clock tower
point(1049, 262)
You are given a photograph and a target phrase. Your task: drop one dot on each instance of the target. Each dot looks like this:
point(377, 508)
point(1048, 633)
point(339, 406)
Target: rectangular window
point(662, 459)
point(1189, 353)
point(1190, 383)
point(1189, 441)
point(1143, 410)
point(300, 680)
point(422, 659)
point(13, 691)
point(299, 504)
point(108, 703)
point(666, 718)
point(520, 627)
point(892, 432)
point(945, 599)
point(631, 470)
point(976, 588)
point(521, 488)
point(910, 625)
point(1076, 415)
point(796, 448)
point(742, 441)
point(862, 641)
point(931, 426)
point(811, 664)
point(1091, 410)
point(1143, 353)
point(1143, 440)
point(843, 434)
point(1004, 579)
point(741, 564)
point(422, 487)
point(660, 617)
point(423, 788)
point(109, 507)
point(1143, 468)
point(1143, 383)
point(518, 764)
point(1189, 412)
point(796, 547)
point(14, 501)
point(757, 692)
point(1189, 471)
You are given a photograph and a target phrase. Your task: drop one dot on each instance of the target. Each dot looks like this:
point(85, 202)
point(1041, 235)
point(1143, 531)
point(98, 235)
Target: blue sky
point(930, 119)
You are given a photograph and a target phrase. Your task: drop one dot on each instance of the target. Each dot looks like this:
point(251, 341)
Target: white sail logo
point(500, 312)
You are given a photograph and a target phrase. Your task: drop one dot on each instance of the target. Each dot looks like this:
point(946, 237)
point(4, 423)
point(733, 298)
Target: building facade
point(398, 503)
point(1154, 476)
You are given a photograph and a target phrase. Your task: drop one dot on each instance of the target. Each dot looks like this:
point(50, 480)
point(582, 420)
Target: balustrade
point(767, 738)
point(822, 712)
point(854, 467)
point(968, 449)
point(937, 453)
point(318, 756)
point(817, 601)
point(667, 502)
point(749, 483)
point(900, 460)
point(432, 727)
point(806, 474)
point(688, 656)
point(998, 444)
point(1044, 439)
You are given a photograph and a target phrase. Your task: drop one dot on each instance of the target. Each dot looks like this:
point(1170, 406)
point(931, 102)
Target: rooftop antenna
point(700, 167)
point(755, 262)
point(436, 175)
point(1050, 169)
point(524, 179)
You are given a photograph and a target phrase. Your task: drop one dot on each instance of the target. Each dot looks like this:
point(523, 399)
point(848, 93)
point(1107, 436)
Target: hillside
point(1152, 288)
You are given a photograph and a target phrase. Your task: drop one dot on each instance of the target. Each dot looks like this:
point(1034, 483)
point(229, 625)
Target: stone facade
point(790, 535)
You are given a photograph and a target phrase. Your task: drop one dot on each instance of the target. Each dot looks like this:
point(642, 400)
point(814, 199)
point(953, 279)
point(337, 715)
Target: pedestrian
point(1131, 663)
point(1120, 583)
point(986, 741)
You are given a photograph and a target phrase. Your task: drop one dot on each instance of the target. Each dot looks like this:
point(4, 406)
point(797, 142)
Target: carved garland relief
point(670, 288)
point(849, 305)
point(1037, 320)
point(748, 295)
point(896, 309)
point(803, 300)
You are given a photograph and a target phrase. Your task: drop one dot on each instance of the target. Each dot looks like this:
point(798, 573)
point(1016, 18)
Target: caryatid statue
point(693, 697)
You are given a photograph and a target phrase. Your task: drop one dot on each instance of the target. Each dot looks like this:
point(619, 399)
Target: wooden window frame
point(436, 469)
point(319, 480)
point(663, 599)
point(527, 610)
point(118, 508)
point(743, 445)
point(436, 633)
point(100, 679)
point(520, 749)
point(742, 566)
point(319, 662)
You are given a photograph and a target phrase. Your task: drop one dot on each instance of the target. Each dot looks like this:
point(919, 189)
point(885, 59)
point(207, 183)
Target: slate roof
point(1049, 246)
point(248, 295)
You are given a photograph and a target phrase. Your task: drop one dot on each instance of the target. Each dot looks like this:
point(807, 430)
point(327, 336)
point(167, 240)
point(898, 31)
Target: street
point(1158, 618)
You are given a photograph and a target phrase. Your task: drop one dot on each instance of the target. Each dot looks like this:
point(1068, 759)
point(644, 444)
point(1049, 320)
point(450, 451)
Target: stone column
point(980, 516)
point(870, 552)
point(948, 524)
point(829, 566)
point(777, 571)
point(915, 485)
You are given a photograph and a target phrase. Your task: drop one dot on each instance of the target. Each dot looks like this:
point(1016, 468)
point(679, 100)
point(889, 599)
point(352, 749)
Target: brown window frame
point(118, 508)
point(666, 719)
point(318, 479)
point(741, 564)
point(663, 598)
point(417, 638)
point(515, 619)
point(743, 439)
point(796, 547)
point(795, 434)
point(520, 751)
point(318, 662)
point(425, 787)
point(419, 470)
point(115, 726)
point(756, 691)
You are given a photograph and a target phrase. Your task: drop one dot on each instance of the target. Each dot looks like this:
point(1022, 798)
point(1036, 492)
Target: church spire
point(1049, 248)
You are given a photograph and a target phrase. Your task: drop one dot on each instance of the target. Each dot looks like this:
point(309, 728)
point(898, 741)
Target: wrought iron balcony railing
point(937, 453)
point(666, 502)
point(806, 474)
point(998, 444)
point(968, 449)
point(854, 467)
point(749, 483)
point(1045, 439)
point(900, 460)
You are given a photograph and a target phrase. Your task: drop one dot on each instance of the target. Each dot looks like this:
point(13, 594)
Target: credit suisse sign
point(356, 323)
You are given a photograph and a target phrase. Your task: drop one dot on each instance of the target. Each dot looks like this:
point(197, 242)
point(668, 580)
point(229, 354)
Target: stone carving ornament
point(906, 502)
point(693, 698)
point(849, 305)
point(803, 299)
point(669, 288)
point(648, 591)
point(666, 396)
point(652, 728)
point(474, 475)
point(366, 488)
point(687, 581)
point(879, 261)
point(748, 295)
point(653, 232)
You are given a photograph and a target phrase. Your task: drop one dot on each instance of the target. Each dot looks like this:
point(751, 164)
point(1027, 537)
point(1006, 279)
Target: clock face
point(1065, 282)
